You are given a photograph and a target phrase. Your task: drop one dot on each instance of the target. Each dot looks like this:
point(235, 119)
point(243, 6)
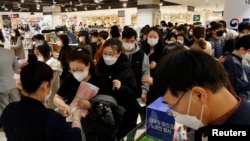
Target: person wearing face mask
point(243, 29)
point(43, 54)
point(233, 65)
point(43, 124)
point(102, 36)
point(181, 39)
point(63, 43)
point(154, 50)
point(84, 41)
point(216, 39)
point(140, 66)
point(196, 102)
point(82, 68)
point(16, 44)
point(120, 78)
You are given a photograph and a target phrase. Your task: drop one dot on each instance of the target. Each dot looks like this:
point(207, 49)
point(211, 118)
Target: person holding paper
point(83, 75)
point(28, 119)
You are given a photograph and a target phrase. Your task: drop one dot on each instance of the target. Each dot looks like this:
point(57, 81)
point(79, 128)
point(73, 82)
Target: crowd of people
point(194, 67)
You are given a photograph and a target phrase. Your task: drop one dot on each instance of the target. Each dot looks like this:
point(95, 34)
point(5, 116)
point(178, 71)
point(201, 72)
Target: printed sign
point(196, 18)
point(159, 124)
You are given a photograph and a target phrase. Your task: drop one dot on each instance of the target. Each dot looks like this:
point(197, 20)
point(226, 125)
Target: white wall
point(235, 11)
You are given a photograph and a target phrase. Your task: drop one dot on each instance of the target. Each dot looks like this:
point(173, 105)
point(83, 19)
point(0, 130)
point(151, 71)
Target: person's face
point(180, 38)
point(109, 51)
point(153, 34)
point(78, 66)
point(130, 40)
point(192, 99)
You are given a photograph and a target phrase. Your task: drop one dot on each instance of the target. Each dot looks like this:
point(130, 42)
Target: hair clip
point(79, 49)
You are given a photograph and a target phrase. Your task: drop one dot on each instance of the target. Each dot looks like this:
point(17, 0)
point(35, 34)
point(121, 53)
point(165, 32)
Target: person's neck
point(35, 96)
point(237, 53)
point(216, 37)
point(217, 108)
point(87, 78)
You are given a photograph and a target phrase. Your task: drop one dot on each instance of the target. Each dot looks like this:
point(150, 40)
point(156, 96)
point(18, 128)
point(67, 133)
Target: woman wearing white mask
point(63, 43)
point(154, 50)
point(116, 70)
point(82, 68)
point(43, 54)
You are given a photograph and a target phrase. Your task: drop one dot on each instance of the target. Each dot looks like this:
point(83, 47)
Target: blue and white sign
point(159, 124)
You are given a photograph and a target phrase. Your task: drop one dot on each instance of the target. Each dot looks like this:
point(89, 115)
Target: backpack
point(104, 116)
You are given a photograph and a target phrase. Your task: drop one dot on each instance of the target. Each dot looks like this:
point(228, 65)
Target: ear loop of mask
point(189, 104)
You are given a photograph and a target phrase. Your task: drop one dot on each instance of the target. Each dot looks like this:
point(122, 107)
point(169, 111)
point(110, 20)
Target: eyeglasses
point(171, 108)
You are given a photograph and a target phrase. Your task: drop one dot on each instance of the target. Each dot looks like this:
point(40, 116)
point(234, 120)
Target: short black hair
point(129, 33)
point(180, 71)
point(44, 49)
point(114, 31)
point(243, 25)
point(33, 74)
point(216, 25)
point(224, 23)
point(103, 34)
point(244, 42)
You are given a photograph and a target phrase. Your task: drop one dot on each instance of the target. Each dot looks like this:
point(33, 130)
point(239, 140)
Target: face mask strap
point(189, 103)
point(202, 109)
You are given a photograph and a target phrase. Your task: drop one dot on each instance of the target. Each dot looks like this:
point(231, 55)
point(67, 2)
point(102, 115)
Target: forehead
point(152, 33)
point(76, 63)
point(109, 49)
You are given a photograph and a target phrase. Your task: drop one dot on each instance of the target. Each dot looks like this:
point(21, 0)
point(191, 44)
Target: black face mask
point(220, 33)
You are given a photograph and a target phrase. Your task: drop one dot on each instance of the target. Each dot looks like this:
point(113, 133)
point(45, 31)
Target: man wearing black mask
point(217, 40)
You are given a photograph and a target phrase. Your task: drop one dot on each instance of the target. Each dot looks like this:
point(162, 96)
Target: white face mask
point(128, 46)
point(191, 33)
point(169, 42)
point(108, 60)
point(180, 41)
point(13, 34)
point(59, 43)
point(152, 41)
point(246, 57)
point(188, 120)
point(40, 58)
point(79, 76)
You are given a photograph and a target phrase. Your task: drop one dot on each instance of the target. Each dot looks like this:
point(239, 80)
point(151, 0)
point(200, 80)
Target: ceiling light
point(161, 4)
point(38, 6)
point(124, 4)
point(22, 1)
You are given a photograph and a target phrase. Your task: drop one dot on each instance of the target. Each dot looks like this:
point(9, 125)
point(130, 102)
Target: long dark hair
point(1, 36)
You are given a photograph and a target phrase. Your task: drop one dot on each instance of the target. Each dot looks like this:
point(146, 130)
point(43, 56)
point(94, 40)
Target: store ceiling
point(69, 5)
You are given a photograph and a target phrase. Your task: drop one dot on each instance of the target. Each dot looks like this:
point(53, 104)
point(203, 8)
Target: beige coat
point(18, 48)
point(207, 50)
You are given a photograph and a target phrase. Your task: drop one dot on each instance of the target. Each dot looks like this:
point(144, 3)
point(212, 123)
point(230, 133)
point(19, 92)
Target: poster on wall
point(6, 21)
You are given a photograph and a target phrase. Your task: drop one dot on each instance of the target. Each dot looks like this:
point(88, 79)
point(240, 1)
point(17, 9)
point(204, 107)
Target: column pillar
point(236, 12)
point(148, 12)
point(52, 16)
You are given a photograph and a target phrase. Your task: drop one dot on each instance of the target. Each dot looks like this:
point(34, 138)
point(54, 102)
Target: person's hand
point(221, 59)
point(77, 114)
point(66, 111)
point(83, 103)
point(147, 80)
point(116, 84)
point(144, 98)
point(152, 64)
